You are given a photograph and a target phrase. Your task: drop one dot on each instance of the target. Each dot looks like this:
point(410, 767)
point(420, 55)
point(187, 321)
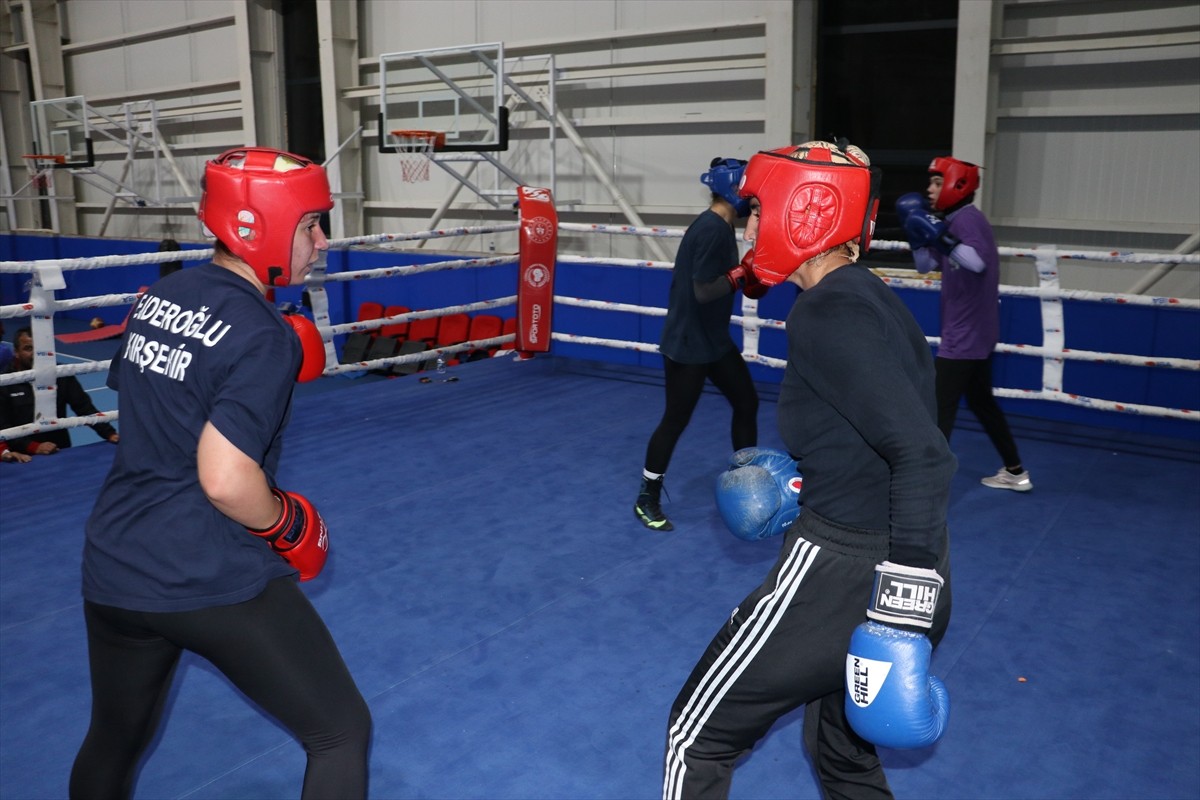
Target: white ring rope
point(380, 238)
point(629, 230)
point(416, 269)
point(56, 424)
point(372, 324)
point(424, 355)
point(102, 262)
point(29, 375)
point(617, 262)
point(611, 305)
point(1053, 353)
point(47, 273)
point(1077, 255)
point(1046, 293)
point(1092, 402)
point(204, 254)
point(1020, 349)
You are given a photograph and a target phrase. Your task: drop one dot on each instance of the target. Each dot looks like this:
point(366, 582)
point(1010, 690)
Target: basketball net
point(39, 167)
point(416, 151)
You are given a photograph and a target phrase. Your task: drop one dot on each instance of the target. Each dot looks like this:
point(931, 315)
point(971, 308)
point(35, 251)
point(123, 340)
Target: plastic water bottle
point(441, 365)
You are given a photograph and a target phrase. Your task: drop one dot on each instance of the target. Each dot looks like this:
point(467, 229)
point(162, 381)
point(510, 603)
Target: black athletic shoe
point(648, 507)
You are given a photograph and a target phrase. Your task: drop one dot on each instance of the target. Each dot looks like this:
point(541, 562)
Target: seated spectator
point(17, 408)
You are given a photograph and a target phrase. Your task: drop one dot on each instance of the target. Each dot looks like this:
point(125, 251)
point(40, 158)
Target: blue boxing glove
point(759, 495)
point(891, 699)
point(909, 204)
point(925, 229)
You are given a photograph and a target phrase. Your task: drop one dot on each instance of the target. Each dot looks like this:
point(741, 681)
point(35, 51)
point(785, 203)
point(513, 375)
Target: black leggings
point(684, 384)
point(957, 378)
point(274, 648)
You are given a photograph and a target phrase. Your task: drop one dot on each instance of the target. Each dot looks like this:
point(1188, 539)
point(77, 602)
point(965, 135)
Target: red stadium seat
point(359, 343)
point(510, 326)
point(423, 330)
point(397, 330)
point(369, 310)
point(453, 329)
point(484, 326)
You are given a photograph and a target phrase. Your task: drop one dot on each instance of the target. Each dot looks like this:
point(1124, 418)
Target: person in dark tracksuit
point(696, 345)
point(857, 410)
point(17, 406)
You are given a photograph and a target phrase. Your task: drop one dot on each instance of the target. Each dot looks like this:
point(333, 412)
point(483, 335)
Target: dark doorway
point(302, 80)
point(885, 81)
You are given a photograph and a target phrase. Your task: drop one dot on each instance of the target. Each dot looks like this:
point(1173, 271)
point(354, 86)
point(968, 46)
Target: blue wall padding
point(1153, 331)
point(81, 282)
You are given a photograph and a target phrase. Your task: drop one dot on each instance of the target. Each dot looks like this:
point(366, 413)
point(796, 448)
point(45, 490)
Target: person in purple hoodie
point(947, 233)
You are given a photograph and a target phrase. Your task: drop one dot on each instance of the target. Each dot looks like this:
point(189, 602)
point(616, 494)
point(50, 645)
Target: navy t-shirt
point(695, 332)
point(201, 345)
point(858, 411)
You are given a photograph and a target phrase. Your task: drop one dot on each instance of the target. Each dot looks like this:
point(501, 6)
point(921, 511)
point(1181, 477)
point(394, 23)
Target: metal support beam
point(779, 94)
point(44, 37)
point(593, 163)
point(259, 82)
point(1161, 271)
point(337, 42)
point(971, 77)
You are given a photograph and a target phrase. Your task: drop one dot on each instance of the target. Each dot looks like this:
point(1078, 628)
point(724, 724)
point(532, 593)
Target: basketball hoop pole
point(39, 166)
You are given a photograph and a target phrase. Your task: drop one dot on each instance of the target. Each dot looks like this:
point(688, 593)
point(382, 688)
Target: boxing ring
point(49, 277)
point(518, 634)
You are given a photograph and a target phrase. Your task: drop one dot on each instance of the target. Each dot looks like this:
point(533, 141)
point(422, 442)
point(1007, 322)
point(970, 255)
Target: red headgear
point(254, 197)
point(960, 179)
point(812, 197)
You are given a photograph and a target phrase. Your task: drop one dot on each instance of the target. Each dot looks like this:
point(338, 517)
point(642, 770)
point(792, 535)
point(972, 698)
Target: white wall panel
point(1095, 139)
point(656, 164)
point(1097, 176)
point(1092, 135)
point(96, 19)
point(1039, 18)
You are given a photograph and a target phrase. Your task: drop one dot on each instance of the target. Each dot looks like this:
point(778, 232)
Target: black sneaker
point(648, 507)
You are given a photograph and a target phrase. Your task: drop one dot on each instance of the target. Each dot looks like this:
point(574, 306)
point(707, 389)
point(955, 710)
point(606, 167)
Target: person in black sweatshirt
point(17, 407)
point(861, 589)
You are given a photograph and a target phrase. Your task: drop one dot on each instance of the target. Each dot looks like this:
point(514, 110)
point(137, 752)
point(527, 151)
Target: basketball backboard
point(61, 129)
point(456, 91)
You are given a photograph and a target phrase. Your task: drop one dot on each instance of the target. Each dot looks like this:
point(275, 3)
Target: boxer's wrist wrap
point(272, 531)
point(904, 596)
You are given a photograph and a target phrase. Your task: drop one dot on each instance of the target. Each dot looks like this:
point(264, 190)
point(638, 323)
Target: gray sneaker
point(1006, 480)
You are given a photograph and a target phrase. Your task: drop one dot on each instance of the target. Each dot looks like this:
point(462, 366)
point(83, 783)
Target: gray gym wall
point(1085, 115)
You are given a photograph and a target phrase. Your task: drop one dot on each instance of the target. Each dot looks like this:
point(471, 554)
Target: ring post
point(535, 281)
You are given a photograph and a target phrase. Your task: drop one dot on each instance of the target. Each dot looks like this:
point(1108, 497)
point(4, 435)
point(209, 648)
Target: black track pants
point(785, 646)
point(274, 648)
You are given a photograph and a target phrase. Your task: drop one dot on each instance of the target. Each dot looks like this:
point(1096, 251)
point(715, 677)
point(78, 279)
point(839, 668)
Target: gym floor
point(518, 634)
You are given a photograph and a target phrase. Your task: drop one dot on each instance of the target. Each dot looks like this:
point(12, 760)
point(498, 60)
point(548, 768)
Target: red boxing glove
point(742, 277)
point(751, 286)
point(312, 347)
point(299, 535)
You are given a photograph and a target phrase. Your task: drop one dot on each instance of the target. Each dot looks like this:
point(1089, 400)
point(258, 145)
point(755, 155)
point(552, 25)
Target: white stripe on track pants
point(785, 646)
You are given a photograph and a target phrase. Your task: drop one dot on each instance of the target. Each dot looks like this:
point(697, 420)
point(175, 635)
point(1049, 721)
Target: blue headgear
point(722, 179)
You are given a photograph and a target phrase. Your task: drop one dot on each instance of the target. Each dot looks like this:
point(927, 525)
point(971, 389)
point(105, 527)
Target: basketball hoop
point(39, 166)
point(416, 149)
